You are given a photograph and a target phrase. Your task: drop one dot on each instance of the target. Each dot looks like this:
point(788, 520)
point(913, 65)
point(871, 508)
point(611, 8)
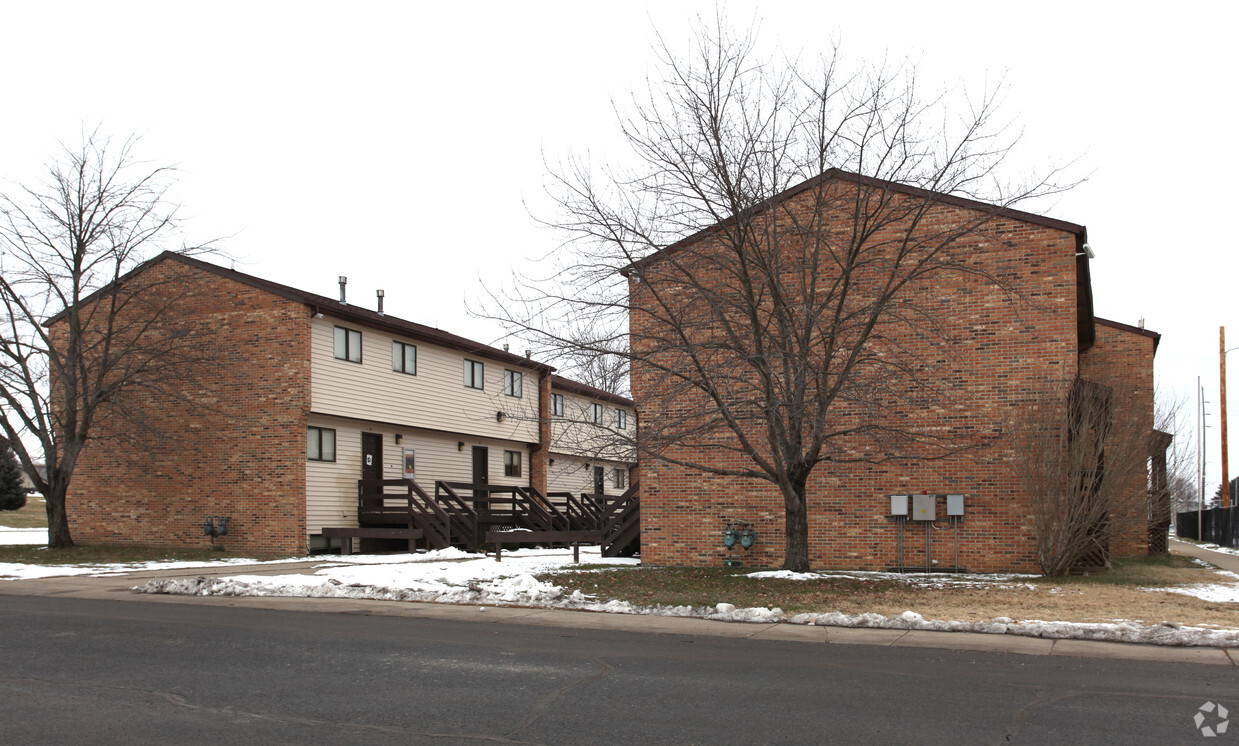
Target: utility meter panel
point(924, 507)
point(899, 505)
point(954, 505)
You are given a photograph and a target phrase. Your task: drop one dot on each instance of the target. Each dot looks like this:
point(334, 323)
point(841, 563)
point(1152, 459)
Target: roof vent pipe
point(505, 346)
point(379, 293)
point(343, 282)
point(528, 353)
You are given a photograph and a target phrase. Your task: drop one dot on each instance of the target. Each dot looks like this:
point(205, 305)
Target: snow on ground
point(25, 536)
point(453, 576)
point(17, 571)
point(1216, 592)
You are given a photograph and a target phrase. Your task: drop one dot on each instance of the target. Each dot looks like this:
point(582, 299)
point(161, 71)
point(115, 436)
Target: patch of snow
point(1215, 592)
point(1166, 633)
point(22, 536)
point(453, 576)
point(15, 571)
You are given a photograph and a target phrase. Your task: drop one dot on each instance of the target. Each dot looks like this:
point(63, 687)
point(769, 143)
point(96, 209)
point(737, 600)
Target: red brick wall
point(228, 440)
point(538, 452)
point(995, 352)
point(1123, 359)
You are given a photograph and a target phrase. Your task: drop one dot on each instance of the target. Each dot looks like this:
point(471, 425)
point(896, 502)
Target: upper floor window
point(557, 405)
point(595, 413)
point(348, 344)
point(404, 358)
point(511, 463)
point(473, 374)
point(320, 444)
point(620, 478)
point(512, 382)
point(621, 419)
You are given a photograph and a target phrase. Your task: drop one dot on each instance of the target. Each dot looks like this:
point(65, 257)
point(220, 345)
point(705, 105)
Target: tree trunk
point(58, 536)
point(796, 530)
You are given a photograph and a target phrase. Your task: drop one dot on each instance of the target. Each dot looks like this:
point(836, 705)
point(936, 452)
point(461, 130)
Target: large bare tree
point(74, 338)
point(770, 335)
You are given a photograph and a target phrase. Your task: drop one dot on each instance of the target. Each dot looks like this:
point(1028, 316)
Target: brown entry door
point(600, 475)
point(481, 468)
point(371, 456)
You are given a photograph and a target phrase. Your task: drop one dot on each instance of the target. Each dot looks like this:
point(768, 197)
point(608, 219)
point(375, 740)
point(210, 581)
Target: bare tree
point(1083, 461)
point(74, 338)
point(771, 335)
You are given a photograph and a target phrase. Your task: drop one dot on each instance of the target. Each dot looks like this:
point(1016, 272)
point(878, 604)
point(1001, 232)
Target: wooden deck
point(471, 516)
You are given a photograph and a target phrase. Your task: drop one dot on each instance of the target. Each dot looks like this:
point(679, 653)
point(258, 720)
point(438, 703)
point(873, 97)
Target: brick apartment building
point(1014, 317)
point(297, 395)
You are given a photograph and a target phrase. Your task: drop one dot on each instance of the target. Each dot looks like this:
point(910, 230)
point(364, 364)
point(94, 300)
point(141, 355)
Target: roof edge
point(894, 186)
point(1155, 336)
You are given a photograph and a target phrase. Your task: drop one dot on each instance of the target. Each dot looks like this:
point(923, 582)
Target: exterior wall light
point(500, 416)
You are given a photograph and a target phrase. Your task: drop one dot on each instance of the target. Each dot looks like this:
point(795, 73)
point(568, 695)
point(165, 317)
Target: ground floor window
point(511, 463)
point(620, 478)
point(320, 444)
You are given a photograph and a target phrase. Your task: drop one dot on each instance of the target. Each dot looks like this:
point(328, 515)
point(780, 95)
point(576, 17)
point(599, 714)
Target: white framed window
point(512, 382)
point(620, 478)
point(511, 463)
point(320, 444)
point(348, 344)
point(595, 413)
point(474, 374)
point(557, 405)
point(621, 419)
point(410, 463)
point(404, 358)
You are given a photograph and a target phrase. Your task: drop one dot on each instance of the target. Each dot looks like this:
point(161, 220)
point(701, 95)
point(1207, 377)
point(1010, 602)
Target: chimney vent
point(379, 293)
point(528, 353)
point(505, 346)
point(343, 282)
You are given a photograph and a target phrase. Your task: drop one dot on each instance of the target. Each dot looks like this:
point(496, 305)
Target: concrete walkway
point(120, 587)
point(1223, 560)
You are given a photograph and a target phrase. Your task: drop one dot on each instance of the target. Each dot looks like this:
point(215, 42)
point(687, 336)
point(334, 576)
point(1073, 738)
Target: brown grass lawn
point(34, 515)
point(1106, 597)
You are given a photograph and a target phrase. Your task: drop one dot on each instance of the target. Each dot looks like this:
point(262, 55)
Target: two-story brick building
point(302, 396)
point(954, 363)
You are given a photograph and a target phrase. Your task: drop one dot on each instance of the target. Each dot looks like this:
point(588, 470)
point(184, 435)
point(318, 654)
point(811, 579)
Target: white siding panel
point(576, 433)
point(331, 487)
point(436, 398)
point(568, 474)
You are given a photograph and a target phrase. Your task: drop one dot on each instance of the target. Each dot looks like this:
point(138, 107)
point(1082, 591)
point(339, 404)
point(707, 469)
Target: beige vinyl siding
point(331, 488)
point(436, 398)
point(576, 433)
point(568, 474)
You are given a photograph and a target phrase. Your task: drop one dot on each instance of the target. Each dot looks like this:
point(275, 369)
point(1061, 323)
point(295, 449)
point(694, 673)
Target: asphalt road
point(85, 671)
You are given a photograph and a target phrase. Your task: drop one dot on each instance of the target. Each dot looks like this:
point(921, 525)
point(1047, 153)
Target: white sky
point(403, 145)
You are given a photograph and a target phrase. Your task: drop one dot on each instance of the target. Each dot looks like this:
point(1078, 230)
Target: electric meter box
point(924, 507)
point(899, 505)
point(954, 505)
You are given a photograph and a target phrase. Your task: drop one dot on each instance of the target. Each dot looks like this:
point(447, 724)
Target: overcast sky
point(403, 144)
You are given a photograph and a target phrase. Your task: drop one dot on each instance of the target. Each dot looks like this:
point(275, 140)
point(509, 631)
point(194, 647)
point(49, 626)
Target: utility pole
point(1200, 459)
point(1221, 347)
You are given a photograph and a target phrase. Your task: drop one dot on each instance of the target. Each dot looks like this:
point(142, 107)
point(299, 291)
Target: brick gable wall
point(1123, 360)
point(229, 441)
point(994, 355)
